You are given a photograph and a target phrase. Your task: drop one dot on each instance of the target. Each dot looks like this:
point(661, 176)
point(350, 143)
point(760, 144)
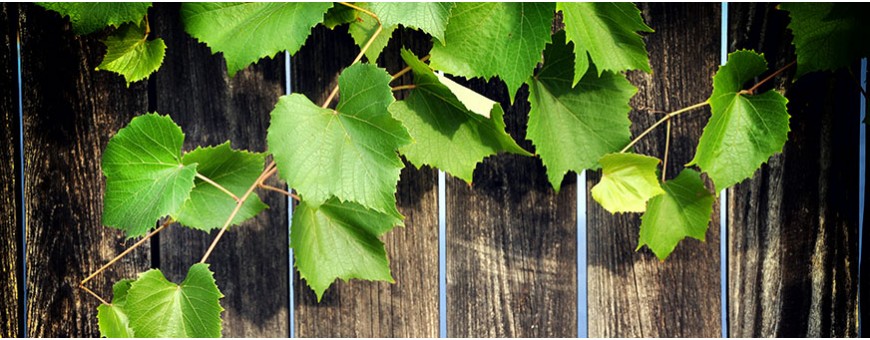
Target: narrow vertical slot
point(862, 173)
point(291, 297)
point(582, 308)
point(22, 240)
point(442, 254)
point(723, 197)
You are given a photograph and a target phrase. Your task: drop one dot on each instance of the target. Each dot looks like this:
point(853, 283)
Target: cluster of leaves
point(344, 162)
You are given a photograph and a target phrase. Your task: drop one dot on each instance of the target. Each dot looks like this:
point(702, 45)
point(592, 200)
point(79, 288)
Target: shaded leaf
point(89, 17)
point(130, 54)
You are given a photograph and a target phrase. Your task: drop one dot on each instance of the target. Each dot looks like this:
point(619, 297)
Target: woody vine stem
point(271, 169)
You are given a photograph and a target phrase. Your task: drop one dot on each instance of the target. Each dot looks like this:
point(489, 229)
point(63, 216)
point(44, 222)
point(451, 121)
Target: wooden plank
point(250, 262)
point(631, 293)
point(511, 254)
point(408, 308)
point(793, 227)
point(70, 111)
point(10, 226)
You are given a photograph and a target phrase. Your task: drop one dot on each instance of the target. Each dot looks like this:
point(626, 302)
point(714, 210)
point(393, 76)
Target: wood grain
point(511, 250)
point(793, 227)
point(631, 293)
point(70, 111)
point(408, 308)
point(10, 226)
point(251, 261)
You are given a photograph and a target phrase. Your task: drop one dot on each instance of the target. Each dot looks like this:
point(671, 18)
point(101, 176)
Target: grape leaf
point(828, 36)
point(349, 152)
point(628, 181)
point(209, 207)
point(145, 178)
point(572, 128)
point(495, 39)
point(89, 17)
point(158, 308)
point(362, 29)
point(744, 130)
point(446, 133)
point(130, 54)
point(247, 32)
point(112, 319)
point(607, 32)
point(339, 15)
point(339, 240)
point(683, 210)
point(430, 17)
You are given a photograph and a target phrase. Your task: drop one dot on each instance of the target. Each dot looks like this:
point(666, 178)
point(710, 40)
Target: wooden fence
point(511, 268)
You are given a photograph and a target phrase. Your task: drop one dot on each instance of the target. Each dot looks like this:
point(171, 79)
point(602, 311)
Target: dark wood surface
point(631, 293)
point(792, 237)
point(408, 308)
point(251, 261)
point(793, 227)
point(70, 112)
point(511, 249)
point(10, 226)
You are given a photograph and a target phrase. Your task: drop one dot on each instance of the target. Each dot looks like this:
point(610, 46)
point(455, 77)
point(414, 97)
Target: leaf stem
point(216, 185)
point(667, 147)
point(752, 89)
point(270, 170)
point(407, 69)
point(281, 191)
point(404, 87)
point(95, 295)
point(858, 84)
point(361, 52)
point(660, 121)
point(125, 252)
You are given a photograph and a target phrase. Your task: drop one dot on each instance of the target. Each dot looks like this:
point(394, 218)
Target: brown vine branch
point(216, 185)
point(667, 147)
point(95, 295)
point(407, 69)
point(752, 89)
point(404, 87)
point(660, 121)
point(271, 169)
point(118, 258)
point(361, 52)
point(280, 191)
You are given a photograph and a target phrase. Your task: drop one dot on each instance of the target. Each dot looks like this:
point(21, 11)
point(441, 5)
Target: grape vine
point(343, 163)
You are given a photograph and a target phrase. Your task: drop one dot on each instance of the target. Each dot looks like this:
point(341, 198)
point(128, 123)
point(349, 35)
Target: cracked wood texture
point(10, 225)
point(408, 308)
point(70, 112)
point(631, 293)
point(793, 227)
point(251, 261)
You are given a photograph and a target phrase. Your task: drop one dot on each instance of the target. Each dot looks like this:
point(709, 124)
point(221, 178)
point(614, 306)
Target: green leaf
point(828, 36)
point(628, 181)
point(145, 178)
point(431, 17)
point(447, 133)
point(606, 31)
point(573, 127)
point(339, 240)
point(158, 308)
point(89, 17)
point(248, 32)
point(744, 130)
point(339, 15)
point(130, 54)
point(112, 319)
point(209, 207)
point(684, 210)
point(349, 152)
point(362, 30)
point(495, 39)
